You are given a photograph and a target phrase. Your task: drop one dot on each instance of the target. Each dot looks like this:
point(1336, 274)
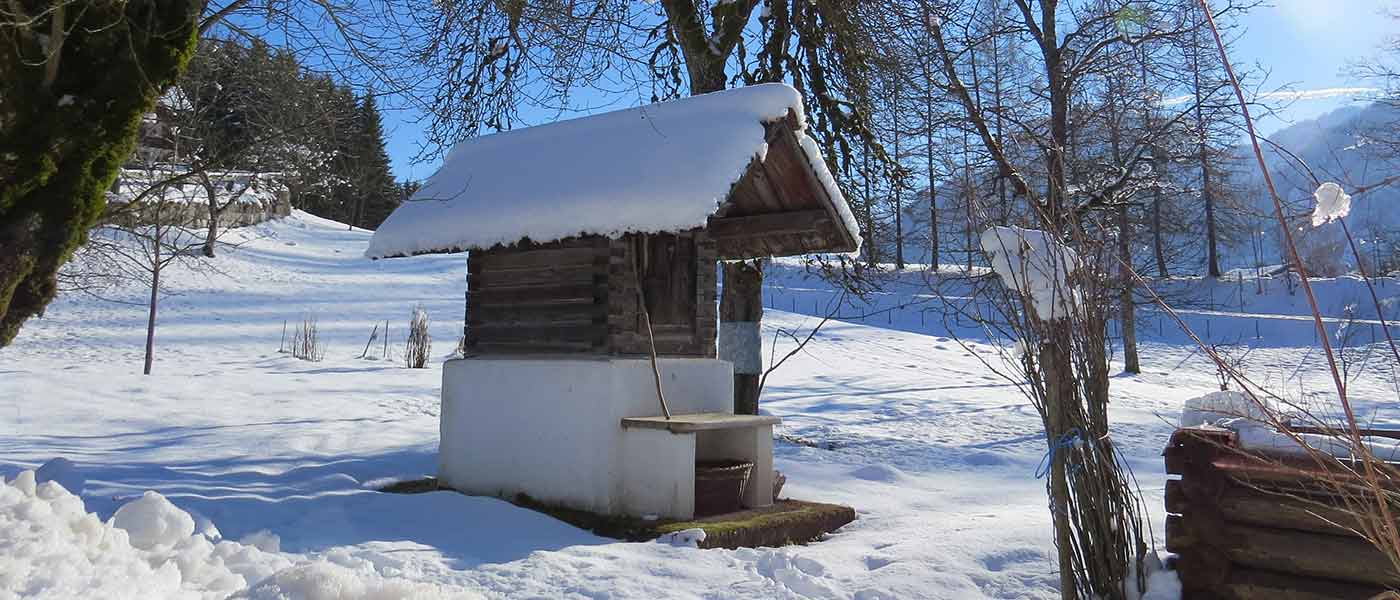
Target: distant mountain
point(1339, 146)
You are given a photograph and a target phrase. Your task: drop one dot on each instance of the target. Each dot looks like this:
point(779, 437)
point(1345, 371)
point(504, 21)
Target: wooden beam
point(759, 226)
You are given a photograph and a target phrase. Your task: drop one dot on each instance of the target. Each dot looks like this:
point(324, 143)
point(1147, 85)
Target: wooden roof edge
point(819, 189)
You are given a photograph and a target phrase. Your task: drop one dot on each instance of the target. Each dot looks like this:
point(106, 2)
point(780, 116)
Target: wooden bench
point(700, 422)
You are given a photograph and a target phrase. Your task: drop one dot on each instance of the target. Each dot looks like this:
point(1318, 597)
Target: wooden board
point(691, 423)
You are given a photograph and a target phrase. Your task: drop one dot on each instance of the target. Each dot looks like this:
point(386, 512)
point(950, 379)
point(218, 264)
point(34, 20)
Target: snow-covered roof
point(657, 168)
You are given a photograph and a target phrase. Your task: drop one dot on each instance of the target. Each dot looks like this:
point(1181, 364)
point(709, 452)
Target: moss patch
point(785, 522)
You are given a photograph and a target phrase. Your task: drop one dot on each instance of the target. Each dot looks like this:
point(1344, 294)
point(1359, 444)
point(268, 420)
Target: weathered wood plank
point(784, 166)
point(505, 279)
point(1261, 584)
point(499, 332)
point(487, 348)
point(537, 295)
point(535, 258)
point(687, 423)
point(771, 224)
point(1341, 558)
point(515, 313)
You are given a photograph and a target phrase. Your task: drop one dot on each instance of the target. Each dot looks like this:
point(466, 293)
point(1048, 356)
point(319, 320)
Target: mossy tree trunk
point(75, 80)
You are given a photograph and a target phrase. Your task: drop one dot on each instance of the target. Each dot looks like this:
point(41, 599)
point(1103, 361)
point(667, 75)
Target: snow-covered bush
point(419, 345)
point(1036, 265)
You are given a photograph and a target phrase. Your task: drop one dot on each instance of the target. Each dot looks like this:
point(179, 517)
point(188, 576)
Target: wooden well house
point(585, 294)
point(589, 241)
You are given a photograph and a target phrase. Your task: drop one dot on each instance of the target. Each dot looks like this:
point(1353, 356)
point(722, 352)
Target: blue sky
point(1305, 45)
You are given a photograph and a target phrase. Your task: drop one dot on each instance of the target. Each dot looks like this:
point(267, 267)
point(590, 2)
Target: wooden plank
point(1346, 559)
point(489, 348)
point(1286, 511)
point(690, 423)
point(784, 166)
point(1261, 584)
point(544, 333)
point(770, 224)
point(572, 293)
point(535, 258)
point(558, 313)
point(490, 278)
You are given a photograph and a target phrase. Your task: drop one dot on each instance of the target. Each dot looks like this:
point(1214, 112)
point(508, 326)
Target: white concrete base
point(551, 428)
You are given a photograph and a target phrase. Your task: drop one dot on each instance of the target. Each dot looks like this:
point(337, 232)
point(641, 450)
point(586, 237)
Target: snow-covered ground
point(275, 459)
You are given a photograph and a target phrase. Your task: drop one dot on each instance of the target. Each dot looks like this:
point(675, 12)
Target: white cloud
point(1356, 93)
point(1320, 94)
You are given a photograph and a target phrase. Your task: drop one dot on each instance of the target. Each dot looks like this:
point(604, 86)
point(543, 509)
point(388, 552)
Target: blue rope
point(1066, 441)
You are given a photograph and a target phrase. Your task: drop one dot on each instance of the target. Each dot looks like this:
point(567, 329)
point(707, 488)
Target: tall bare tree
point(1067, 186)
point(491, 59)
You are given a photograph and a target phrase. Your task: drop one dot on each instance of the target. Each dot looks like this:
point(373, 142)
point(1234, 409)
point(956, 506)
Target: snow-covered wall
point(552, 428)
point(246, 198)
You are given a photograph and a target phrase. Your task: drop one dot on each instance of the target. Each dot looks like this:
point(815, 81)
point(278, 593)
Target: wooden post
point(740, 311)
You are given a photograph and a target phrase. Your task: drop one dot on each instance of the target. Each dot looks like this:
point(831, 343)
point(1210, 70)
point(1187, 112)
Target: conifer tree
point(376, 190)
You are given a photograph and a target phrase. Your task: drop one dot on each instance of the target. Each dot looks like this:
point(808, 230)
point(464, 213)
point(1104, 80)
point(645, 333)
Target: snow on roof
point(655, 168)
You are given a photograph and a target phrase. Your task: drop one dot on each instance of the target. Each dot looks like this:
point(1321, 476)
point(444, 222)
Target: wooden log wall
point(579, 296)
point(680, 326)
point(1245, 529)
point(541, 299)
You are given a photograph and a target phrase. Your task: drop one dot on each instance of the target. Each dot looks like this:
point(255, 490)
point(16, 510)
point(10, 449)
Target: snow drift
point(54, 548)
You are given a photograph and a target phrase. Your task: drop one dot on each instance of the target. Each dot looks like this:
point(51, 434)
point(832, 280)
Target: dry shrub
point(306, 340)
point(419, 345)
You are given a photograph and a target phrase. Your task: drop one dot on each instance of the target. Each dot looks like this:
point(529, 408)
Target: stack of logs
point(1245, 525)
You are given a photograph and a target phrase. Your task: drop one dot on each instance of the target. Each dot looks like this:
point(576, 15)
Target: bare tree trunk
point(1203, 154)
point(1159, 250)
point(740, 313)
point(155, 291)
point(967, 199)
point(1128, 323)
point(932, 185)
point(741, 298)
point(1055, 360)
point(898, 182)
point(872, 253)
point(211, 232)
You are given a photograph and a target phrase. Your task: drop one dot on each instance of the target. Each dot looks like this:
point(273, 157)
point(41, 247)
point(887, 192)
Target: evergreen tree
point(376, 190)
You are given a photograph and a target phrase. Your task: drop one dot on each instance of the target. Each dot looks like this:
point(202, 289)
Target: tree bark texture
point(69, 121)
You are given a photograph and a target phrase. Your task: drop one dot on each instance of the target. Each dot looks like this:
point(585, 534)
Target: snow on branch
point(1036, 265)
point(1332, 203)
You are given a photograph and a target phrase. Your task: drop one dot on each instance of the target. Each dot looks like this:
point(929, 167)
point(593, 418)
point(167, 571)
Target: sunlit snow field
point(275, 459)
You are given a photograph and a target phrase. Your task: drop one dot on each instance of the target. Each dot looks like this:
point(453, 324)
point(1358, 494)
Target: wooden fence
point(1246, 525)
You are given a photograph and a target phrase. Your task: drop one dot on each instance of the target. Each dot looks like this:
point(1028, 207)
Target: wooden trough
point(1246, 525)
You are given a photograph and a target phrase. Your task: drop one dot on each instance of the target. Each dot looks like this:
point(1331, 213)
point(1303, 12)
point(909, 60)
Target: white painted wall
point(551, 427)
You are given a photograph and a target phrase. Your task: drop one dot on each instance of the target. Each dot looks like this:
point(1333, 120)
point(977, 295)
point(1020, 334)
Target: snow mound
point(688, 537)
point(1036, 265)
point(880, 473)
point(1221, 408)
point(323, 580)
point(54, 548)
point(1255, 428)
point(153, 524)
